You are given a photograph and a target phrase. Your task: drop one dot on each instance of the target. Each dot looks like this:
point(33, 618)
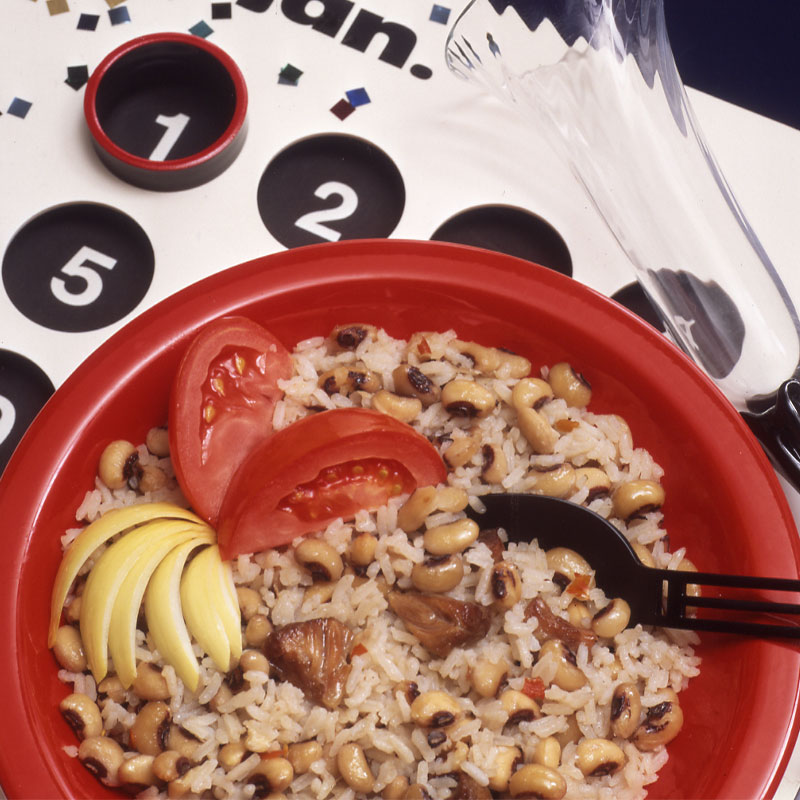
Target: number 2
point(77, 267)
point(174, 128)
point(311, 222)
point(7, 416)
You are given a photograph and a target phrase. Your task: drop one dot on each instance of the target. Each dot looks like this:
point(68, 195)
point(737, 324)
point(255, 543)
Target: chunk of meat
point(491, 538)
point(554, 627)
point(468, 788)
point(313, 655)
point(440, 623)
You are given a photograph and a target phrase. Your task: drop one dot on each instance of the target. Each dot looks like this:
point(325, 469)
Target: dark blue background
point(743, 51)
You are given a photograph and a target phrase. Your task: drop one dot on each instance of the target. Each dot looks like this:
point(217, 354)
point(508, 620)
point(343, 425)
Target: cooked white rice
point(267, 715)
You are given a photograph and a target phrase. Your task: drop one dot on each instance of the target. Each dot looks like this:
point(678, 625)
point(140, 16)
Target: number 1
point(174, 128)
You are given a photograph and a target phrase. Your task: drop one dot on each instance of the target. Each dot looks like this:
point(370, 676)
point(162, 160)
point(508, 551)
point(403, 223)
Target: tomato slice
point(328, 465)
point(223, 400)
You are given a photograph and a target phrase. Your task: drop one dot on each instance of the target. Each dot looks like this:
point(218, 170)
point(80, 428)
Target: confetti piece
point(289, 75)
point(221, 11)
point(88, 22)
point(77, 76)
point(343, 109)
point(19, 108)
point(357, 97)
point(118, 15)
point(57, 6)
point(112, 3)
point(201, 29)
point(440, 14)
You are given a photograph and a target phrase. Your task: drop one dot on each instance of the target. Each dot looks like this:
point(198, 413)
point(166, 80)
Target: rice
point(390, 666)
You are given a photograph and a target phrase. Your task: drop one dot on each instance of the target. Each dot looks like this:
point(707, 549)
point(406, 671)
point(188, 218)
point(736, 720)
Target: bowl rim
point(50, 436)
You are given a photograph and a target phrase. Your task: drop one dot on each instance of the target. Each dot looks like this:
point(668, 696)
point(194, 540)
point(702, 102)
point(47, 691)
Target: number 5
point(82, 265)
point(7, 417)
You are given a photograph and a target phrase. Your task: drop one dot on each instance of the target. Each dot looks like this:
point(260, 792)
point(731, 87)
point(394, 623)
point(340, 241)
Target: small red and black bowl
point(167, 111)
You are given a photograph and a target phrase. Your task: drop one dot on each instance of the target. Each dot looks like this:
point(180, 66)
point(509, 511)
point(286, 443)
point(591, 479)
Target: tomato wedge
point(223, 400)
point(328, 465)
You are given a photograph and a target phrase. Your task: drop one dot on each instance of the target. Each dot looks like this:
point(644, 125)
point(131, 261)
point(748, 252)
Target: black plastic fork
point(655, 596)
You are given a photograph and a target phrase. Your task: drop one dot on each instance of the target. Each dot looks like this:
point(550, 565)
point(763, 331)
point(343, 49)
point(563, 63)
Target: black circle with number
point(330, 187)
point(78, 267)
point(509, 230)
point(24, 389)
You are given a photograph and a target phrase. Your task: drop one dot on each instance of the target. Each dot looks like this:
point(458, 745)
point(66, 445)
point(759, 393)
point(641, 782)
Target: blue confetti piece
point(357, 97)
point(88, 22)
point(19, 108)
point(119, 15)
point(440, 14)
point(201, 29)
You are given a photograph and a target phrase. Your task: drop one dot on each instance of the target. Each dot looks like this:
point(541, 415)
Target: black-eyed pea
point(271, 775)
point(414, 511)
point(118, 463)
point(410, 381)
point(531, 393)
point(461, 450)
point(626, 707)
point(487, 676)
point(538, 432)
point(579, 615)
point(519, 706)
point(547, 752)
point(466, 398)
point(68, 648)
point(612, 618)
point(257, 630)
point(505, 762)
point(354, 768)
point(557, 481)
point(451, 499)
point(182, 785)
point(249, 601)
point(362, 549)
point(569, 385)
point(151, 479)
point(170, 765)
point(483, 359)
point(150, 683)
point(102, 756)
point(232, 754)
point(494, 464)
point(595, 480)
point(351, 335)
point(435, 709)
point(568, 676)
point(72, 613)
point(567, 565)
point(182, 741)
point(536, 780)
point(452, 538)
point(136, 774)
point(252, 660)
point(111, 686)
point(571, 734)
point(319, 592)
point(597, 757)
point(320, 559)
point(157, 442)
point(82, 715)
point(644, 554)
point(438, 574)
point(512, 366)
point(637, 497)
point(151, 727)
point(302, 755)
point(662, 723)
point(404, 409)
point(692, 589)
point(506, 585)
point(396, 789)
point(417, 792)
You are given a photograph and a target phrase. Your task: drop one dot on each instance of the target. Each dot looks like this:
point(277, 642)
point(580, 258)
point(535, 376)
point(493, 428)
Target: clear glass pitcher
point(599, 79)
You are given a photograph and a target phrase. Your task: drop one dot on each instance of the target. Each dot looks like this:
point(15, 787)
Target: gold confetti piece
point(112, 3)
point(57, 6)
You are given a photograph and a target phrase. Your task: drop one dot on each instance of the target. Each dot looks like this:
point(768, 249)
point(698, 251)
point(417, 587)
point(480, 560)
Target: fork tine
point(743, 605)
point(730, 626)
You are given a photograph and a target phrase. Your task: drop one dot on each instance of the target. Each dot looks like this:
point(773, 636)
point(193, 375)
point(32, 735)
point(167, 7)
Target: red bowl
point(724, 502)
